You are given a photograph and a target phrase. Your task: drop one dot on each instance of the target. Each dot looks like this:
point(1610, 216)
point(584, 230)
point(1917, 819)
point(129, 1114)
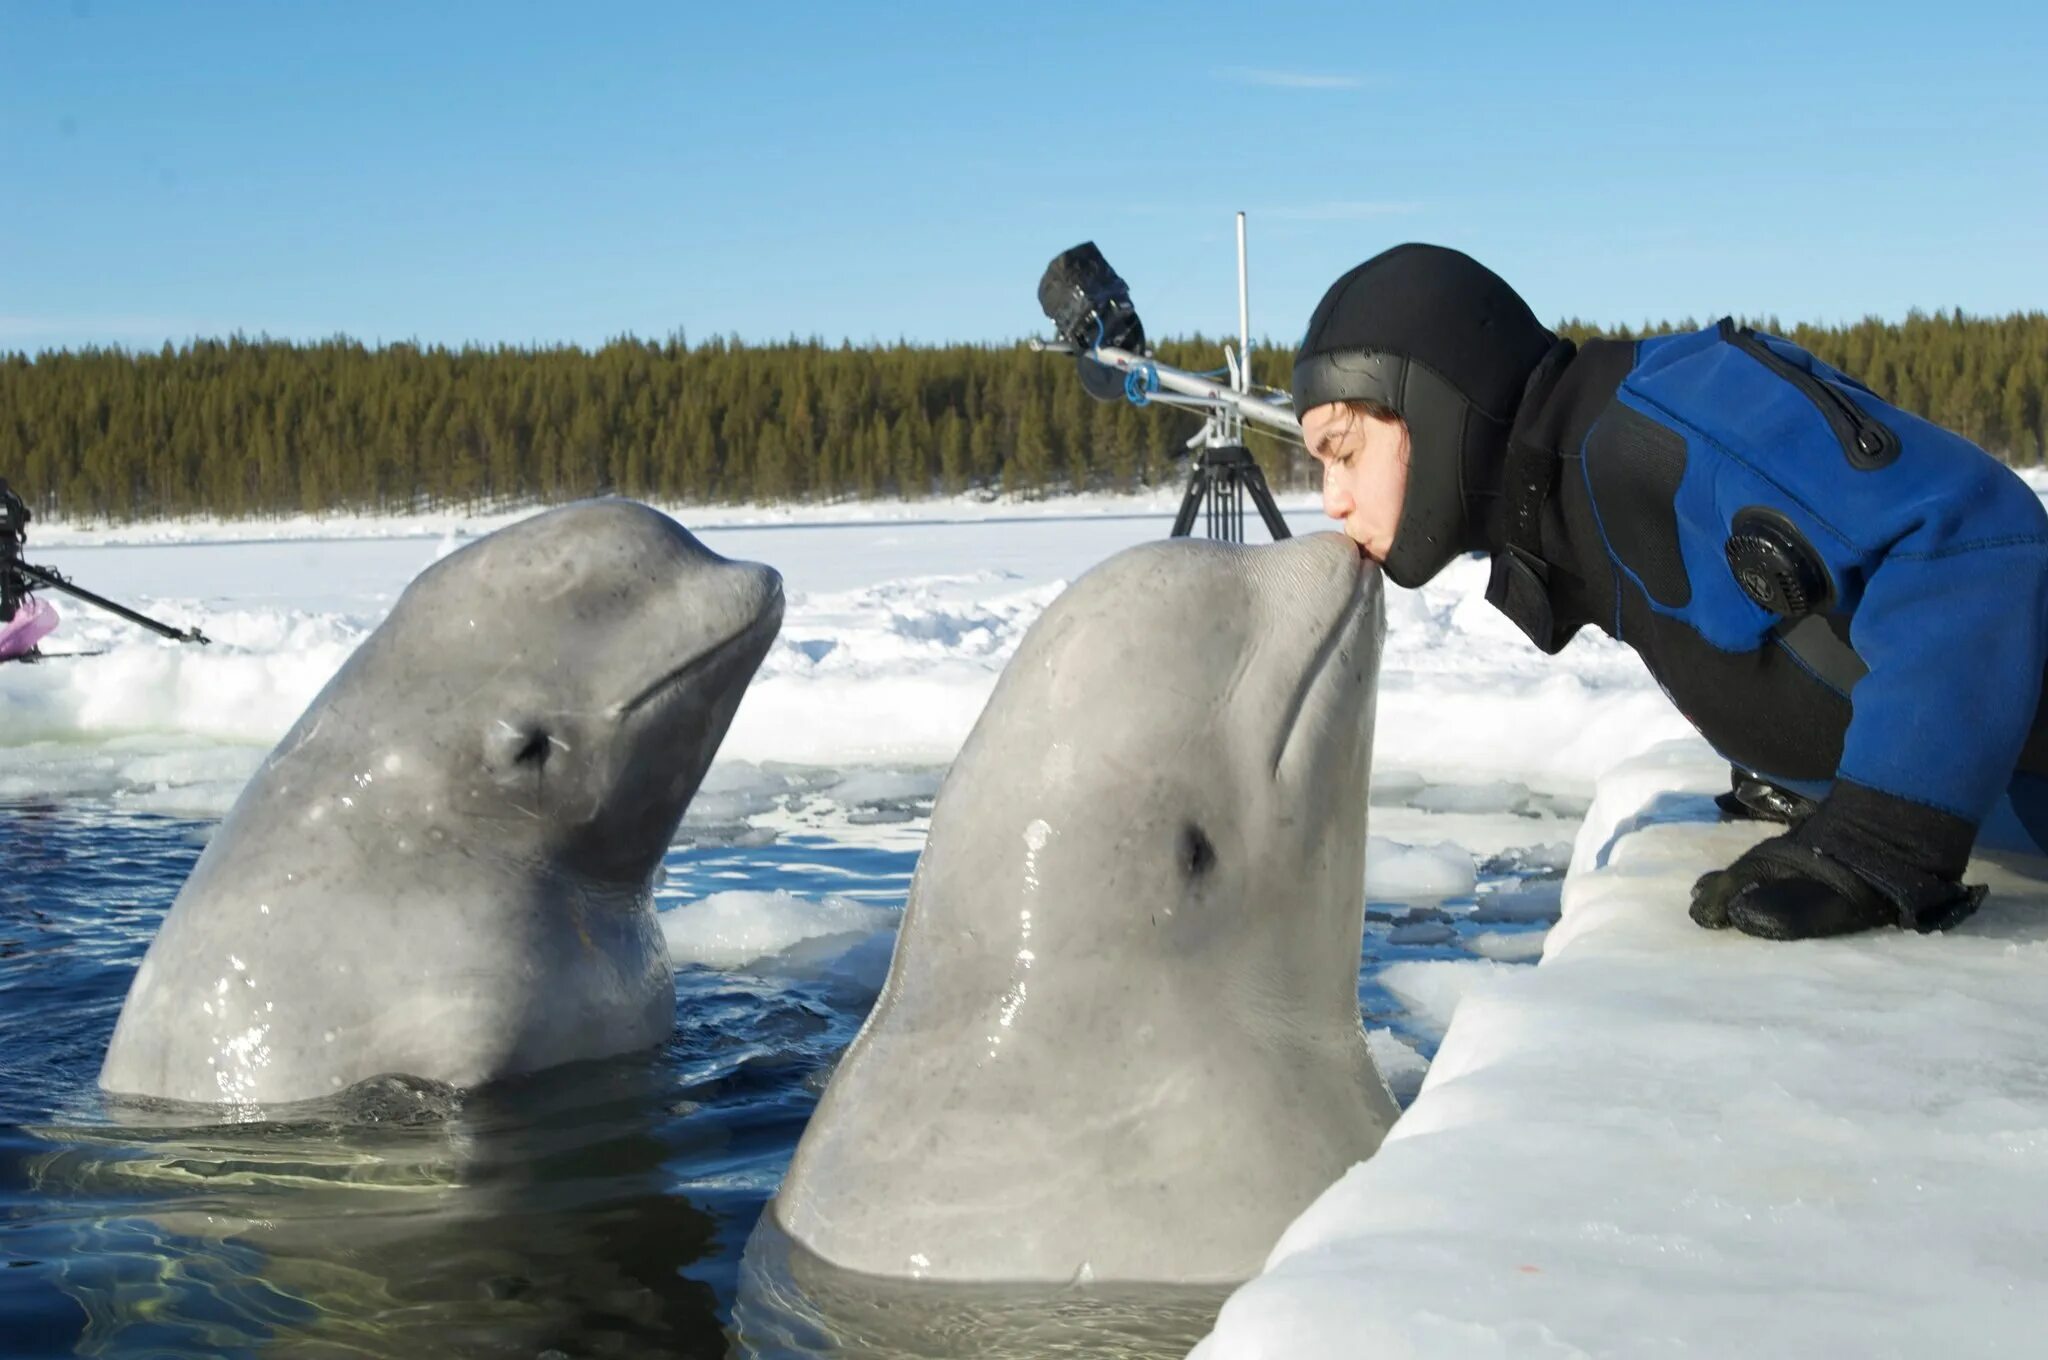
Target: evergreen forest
point(253, 428)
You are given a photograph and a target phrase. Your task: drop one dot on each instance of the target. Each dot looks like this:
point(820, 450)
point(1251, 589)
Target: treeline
point(244, 428)
point(1984, 377)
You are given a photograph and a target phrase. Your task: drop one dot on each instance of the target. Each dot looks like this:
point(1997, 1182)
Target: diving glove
point(1784, 889)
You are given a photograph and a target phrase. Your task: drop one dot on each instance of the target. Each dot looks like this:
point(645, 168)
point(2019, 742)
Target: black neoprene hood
point(1444, 342)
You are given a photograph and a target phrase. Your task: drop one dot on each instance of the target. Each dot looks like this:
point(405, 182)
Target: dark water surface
point(599, 1210)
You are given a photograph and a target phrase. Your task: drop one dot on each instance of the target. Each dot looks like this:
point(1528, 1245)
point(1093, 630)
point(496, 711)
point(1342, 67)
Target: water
point(598, 1210)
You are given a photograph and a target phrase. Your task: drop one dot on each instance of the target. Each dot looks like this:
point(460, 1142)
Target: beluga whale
point(444, 870)
point(1120, 1038)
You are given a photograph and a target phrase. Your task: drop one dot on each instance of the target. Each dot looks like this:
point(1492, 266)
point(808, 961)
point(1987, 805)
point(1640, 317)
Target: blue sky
point(523, 173)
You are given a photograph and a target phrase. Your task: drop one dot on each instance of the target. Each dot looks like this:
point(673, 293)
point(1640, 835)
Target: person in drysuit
point(14, 517)
point(1848, 602)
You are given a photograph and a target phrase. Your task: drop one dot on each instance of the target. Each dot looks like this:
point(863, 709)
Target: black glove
point(1861, 860)
point(1784, 890)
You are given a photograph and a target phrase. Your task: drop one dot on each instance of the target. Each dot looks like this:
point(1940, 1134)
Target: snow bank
point(457, 524)
point(893, 638)
point(1665, 1141)
point(972, 507)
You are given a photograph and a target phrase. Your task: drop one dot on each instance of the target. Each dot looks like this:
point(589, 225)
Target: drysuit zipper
point(1865, 442)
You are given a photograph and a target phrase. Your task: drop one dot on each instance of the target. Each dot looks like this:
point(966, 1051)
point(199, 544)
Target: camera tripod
point(1224, 475)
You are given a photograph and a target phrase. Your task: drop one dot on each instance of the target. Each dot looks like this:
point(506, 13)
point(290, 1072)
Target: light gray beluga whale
point(1120, 1036)
point(444, 870)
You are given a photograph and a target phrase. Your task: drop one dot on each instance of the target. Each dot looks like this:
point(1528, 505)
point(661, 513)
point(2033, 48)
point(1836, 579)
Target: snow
point(454, 525)
point(895, 632)
point(1667, 1141)
point(457, 523)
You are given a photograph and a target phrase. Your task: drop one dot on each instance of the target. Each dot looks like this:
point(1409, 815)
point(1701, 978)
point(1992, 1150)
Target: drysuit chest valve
point(1775, 565)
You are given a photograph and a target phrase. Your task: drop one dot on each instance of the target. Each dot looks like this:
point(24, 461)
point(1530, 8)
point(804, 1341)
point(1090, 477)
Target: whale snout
point(1331, 563)
point(757, 593)
point(1328, 600)
point(1317, 590)
point(745, 610)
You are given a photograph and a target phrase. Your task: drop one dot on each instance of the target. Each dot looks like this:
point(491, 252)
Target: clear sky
point(512, 172)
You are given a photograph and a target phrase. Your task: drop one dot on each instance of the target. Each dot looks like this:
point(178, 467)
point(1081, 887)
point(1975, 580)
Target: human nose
point(1336, 497)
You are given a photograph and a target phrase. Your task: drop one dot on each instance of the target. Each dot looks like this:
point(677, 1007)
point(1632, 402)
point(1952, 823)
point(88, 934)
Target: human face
point(1365, 472)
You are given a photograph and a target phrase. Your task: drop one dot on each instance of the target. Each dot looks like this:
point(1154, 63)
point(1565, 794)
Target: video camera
point(1090, 308)
point(1088, 304)
point(18, 578)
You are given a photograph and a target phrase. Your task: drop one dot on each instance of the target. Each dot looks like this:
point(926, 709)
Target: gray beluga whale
point(1120, 1037)
point(444, 869)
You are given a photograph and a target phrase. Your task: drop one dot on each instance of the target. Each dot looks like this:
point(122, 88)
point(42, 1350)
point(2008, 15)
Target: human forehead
point(1326, 428)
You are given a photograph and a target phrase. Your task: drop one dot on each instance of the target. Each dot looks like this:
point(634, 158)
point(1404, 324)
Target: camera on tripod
point(1090, 308)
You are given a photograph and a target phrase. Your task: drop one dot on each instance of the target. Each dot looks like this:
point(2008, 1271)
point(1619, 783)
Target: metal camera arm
point(1172, 386)
point(1090, 307)
point(44, 576)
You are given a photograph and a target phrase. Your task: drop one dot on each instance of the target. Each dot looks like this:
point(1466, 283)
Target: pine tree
point(1030, 459)
point(952, 453)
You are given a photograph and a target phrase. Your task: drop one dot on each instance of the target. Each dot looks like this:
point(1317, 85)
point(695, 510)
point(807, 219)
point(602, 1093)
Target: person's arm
point(1953, 625)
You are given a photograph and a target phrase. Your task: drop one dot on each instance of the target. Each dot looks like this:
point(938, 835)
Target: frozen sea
point(603, 1210)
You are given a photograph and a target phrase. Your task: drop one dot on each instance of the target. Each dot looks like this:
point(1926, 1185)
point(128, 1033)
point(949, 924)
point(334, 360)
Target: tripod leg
point(1190, 503)
point(1263, 498)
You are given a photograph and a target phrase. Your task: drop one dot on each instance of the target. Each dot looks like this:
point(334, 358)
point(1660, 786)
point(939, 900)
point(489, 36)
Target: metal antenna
point(1244, 315)
point(1225, 473)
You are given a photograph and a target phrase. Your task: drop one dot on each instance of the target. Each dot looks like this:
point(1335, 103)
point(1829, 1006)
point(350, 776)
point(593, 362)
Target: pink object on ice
point(33, 621)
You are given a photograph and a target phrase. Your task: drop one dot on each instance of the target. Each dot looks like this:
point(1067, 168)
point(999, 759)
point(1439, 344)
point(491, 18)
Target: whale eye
point(1196, 854)
point(517, 748)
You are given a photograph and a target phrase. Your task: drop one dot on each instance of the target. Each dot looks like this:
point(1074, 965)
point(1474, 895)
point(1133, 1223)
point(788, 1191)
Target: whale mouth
point(767, 622)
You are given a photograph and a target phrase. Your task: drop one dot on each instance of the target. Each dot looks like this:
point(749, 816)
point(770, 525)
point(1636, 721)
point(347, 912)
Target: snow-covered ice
point(1666, 1142)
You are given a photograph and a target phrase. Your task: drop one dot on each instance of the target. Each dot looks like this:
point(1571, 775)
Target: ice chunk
point(1552, 857)
point(872, 787)
point(1396, 872)
point(1400, 1064)
point(733, 929)
point(1498, 796)
point(1536, 902)
point(1430, 989)
point(1508, 946)
point(1422, 933)
point(1396, 786)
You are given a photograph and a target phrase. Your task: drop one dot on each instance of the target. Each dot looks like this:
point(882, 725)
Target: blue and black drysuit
point(1842, 597)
